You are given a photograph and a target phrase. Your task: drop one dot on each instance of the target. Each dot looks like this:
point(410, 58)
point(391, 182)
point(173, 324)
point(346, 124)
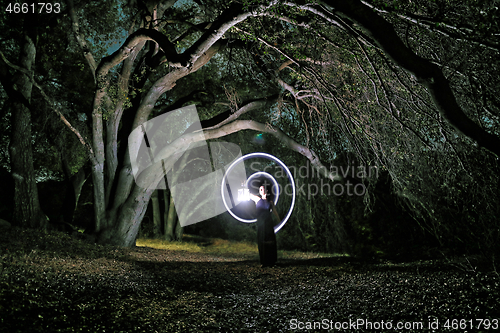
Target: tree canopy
point(407, 88)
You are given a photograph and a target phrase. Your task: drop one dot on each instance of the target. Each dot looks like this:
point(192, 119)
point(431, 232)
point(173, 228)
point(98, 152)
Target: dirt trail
point(54, 283)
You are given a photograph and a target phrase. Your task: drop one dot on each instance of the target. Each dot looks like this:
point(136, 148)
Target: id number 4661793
point(33, 8)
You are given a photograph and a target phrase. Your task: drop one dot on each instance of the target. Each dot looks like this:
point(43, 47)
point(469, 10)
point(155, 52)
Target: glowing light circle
point(275, 183)
point(271, 158)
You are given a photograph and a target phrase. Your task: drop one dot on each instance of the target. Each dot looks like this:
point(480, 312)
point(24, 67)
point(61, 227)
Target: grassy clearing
point(217, 246)
point(199, 244)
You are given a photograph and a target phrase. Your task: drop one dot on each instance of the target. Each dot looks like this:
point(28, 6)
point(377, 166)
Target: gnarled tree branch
point(384, 35)
point(80, 38)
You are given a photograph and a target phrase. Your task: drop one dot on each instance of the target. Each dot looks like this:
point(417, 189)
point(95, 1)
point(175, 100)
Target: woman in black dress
point(266, 239)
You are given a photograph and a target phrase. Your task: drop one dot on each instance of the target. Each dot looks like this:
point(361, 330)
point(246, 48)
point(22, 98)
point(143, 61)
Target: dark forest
point(133, 133)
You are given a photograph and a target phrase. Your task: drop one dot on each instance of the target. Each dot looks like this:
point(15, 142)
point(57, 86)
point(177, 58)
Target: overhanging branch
point(250, 106)
point(80, 38)
point(185, 140)
point(429, 74)
point(439, 26)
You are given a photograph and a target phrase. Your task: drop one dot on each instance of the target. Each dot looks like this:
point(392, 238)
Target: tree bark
point(170, 221)
point(127, 220)
point(179, 231)
point(27, 211)
point(166, 205)
point(74, 189)
point(156, 214)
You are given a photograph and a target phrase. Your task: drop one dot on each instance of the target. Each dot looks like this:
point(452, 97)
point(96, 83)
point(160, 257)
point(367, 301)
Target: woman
point(266, 239)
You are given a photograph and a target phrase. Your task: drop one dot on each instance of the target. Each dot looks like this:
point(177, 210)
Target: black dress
point(266, 239)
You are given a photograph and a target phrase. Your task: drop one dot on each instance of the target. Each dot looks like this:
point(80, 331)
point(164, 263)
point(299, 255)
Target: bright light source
point(271, 158)
point(243, 194)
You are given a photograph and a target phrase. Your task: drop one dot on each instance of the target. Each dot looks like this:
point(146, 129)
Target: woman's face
point(262, 191)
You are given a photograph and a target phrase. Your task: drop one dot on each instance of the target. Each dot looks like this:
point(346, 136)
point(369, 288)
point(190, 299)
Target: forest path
point(53, 282)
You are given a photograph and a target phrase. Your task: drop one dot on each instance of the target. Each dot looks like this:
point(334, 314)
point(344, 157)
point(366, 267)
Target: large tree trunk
point(27, 211)
point(127, 220)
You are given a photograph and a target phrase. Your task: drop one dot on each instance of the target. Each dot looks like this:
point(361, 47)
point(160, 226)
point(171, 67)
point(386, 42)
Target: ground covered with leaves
point(52, 282)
